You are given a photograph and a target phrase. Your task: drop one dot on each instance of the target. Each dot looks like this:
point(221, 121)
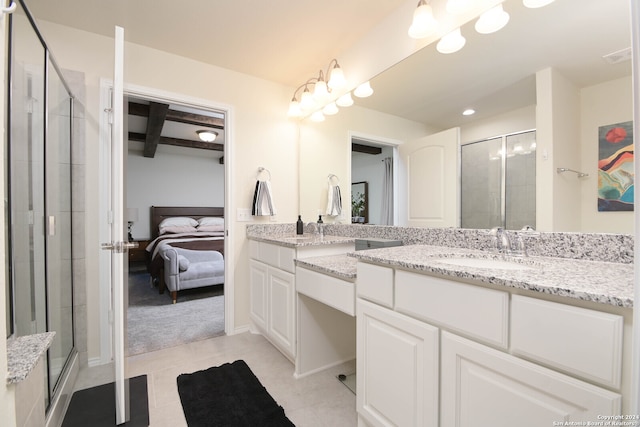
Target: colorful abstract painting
point(615, 167)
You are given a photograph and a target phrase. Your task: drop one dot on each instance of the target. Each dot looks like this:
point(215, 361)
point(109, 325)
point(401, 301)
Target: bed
point(202, 242)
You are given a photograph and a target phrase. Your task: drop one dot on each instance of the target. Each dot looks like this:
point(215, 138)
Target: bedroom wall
point(176, 176)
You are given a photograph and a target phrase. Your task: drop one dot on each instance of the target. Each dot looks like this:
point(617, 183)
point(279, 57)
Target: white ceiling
point(287, 41)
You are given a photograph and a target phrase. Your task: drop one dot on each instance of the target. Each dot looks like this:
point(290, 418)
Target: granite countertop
point(340, 266)
point(295, 241)
point(23, 354)
point(602, 282)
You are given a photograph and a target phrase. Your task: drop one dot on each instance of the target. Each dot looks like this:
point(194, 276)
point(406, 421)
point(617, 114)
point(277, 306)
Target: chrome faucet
point(503, 243)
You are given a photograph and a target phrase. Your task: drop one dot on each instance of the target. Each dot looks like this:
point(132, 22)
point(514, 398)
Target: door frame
point(205, 104)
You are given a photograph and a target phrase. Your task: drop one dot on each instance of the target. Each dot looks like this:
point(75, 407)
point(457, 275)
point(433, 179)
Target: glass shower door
point(58, 224)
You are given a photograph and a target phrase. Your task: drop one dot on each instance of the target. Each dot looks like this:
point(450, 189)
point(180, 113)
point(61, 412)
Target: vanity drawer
point(375, 283)
point(336, 293)
point(276, 256)
point(477, 312)
point(576, 340)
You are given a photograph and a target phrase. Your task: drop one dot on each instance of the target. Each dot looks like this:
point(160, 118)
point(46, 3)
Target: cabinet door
point(397, 365)
point(281, 326)
point(258, 308)
point(481, 386)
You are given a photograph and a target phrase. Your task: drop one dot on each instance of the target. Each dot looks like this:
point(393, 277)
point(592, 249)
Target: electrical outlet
point(243, 215)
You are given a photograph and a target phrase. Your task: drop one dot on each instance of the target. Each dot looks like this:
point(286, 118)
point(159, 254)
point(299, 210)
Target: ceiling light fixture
point(534, 4)
point(469, 112)
point(452, 42)
point(364, 90)
point(492, 20)
point(207, 135)
point(319, 94)
point(423, 23)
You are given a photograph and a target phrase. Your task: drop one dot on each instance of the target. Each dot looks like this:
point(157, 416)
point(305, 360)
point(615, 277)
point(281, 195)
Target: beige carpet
point(155, 323)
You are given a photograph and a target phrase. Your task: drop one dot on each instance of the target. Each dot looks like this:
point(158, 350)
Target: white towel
point(262, 200)
point(334, 200)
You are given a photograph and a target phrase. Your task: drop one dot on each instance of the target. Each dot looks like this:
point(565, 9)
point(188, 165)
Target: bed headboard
point(158, 213)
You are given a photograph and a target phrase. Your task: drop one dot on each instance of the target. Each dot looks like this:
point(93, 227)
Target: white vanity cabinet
point(437, 352)
point(272, 283)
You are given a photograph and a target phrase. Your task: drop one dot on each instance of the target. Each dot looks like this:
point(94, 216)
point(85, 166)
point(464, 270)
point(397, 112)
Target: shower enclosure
point(498, 182)
point(40, 192)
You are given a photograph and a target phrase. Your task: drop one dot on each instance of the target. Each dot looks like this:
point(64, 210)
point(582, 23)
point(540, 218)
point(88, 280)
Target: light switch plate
point(243, 215)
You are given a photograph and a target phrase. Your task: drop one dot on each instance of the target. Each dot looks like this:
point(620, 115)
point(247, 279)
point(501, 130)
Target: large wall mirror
point(499, 75)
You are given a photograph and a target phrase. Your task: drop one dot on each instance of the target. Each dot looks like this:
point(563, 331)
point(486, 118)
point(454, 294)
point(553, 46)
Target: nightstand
point(138, 254)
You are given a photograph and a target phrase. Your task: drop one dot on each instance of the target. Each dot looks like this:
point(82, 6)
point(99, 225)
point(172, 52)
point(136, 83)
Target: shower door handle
point(52, 225)
point(119, 247)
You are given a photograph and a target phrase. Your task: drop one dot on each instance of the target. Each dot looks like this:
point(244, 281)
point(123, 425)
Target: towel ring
point(331, 176)
point(263, 169)
point(10, 8)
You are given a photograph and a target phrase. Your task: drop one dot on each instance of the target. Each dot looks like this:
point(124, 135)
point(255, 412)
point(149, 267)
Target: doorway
point(169, 192)
point(374, 167)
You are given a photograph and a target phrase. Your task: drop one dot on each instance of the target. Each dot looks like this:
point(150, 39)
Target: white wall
point(176, 176)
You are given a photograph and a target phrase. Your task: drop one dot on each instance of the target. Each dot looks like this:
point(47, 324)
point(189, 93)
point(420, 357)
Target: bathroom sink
point(485, 263)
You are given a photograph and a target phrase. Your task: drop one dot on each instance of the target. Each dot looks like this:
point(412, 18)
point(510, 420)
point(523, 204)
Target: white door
point(117, 245)
point(431, 172)
point(397, 365)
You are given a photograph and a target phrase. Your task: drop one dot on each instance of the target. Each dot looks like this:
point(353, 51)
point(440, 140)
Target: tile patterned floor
point(314, 401)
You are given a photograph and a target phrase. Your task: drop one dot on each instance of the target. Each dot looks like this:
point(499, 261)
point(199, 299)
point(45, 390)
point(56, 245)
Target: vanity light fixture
point(317, 116)
point(364, 90)
point(423, 23)
point(452, 42)
point(207, 135)
point(492, 20)
point(534, 4)
point(345, 100)
point(330, 109)
point(317, 93)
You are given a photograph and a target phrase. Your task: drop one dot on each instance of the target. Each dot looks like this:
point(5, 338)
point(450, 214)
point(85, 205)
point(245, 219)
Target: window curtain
point(387, 193)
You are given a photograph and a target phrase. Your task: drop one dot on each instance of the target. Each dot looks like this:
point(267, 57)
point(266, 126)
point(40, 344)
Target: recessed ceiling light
point(468, 112)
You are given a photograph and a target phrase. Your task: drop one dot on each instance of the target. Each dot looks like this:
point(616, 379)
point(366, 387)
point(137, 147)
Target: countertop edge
point(23, 354)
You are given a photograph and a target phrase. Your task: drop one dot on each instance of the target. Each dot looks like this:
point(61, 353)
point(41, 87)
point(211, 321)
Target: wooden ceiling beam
point(142, 110)
point(366, 149)
point(178, 142)
point(155, 122)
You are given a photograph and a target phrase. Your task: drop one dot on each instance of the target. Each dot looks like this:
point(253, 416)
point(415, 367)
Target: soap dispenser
point(320, 226)
point(299, 225)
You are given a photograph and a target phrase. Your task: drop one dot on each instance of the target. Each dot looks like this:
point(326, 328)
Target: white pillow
point(176, 229)
point(211, 220)
point(178, 221)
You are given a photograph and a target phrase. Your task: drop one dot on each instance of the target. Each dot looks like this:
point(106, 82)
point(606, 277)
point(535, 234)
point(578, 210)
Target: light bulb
point(306, 100)
point(492, 20)
point(345, 100)
point(452, 42)
point(423, 24)
point(330, 109)
point(337, 80)
point(294, 109)
point(364, 90)
point(317, 116)
point(320, 92)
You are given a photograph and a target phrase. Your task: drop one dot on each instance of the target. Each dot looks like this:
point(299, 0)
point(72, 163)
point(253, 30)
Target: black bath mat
point(228, 395)
point(96, 406)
